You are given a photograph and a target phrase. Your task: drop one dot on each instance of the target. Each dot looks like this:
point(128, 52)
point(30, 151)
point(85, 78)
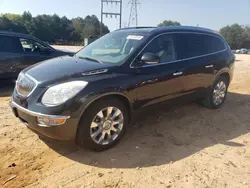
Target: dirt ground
point(68, 48)
point(185, 146)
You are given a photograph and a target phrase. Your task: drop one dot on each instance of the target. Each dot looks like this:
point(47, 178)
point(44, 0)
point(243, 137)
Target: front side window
point(112, 48)
point(10, 44)
point(31, 46)
point(163, 47)
point(190, 45)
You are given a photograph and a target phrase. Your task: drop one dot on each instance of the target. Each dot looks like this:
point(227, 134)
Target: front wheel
point(217, 95)
point(102, 125)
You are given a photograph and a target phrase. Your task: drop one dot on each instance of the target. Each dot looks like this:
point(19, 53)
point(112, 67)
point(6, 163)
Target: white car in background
point(237, 51)
point(244, 51)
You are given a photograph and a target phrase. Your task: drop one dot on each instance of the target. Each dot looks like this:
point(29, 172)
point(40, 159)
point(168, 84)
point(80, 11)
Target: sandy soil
point(185, 146)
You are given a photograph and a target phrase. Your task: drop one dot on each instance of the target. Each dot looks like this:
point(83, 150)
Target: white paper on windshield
point(134, 37)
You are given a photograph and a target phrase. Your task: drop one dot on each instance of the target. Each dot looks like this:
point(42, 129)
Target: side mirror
point(150, 59)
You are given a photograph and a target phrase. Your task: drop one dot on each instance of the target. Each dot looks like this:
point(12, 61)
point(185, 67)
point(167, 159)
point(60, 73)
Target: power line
point(111, 14)
point(133, 17)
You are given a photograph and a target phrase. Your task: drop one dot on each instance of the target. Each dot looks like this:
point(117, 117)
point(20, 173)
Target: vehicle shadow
point(166, 135)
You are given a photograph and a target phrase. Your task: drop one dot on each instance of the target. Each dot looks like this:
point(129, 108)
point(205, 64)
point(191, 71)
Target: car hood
point(65, 52)
point(62, 67)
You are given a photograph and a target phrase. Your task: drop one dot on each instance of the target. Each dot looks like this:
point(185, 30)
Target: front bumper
point(64, 131)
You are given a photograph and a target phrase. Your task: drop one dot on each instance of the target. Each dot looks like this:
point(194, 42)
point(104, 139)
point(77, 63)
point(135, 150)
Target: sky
point(212, 14)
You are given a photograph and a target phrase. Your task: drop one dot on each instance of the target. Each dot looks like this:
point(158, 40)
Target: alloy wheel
point(219, 93)
point(106, 125)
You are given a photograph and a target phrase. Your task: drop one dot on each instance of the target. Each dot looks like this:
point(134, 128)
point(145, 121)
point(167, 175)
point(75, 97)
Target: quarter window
point(162, 46)
point(191, 45)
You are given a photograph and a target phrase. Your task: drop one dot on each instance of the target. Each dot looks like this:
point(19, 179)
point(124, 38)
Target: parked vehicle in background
point(91, 96)
point(18, 51)
point(244, 51)
point(234, 51)
point(237, 51)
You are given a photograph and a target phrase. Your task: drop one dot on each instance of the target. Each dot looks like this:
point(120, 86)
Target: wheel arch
point(224, 73)
point(120, 96)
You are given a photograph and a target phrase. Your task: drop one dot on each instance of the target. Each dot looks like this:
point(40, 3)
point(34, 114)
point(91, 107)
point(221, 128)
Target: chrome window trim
point(36, 114)
point(175, 61)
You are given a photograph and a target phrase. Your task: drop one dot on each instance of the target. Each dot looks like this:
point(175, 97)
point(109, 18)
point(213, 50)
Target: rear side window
point(10, 44)
point(191, 45)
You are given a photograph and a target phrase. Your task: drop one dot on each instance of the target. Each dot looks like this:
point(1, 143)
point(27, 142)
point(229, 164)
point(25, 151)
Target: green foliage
point(168, 23)
point(236, 35)
point(90, 25)
point(246, 41)
point(13, 21)
point(52, 27)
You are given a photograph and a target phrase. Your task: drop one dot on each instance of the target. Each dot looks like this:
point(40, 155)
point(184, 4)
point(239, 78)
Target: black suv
point(18, 51)
point(90, 96)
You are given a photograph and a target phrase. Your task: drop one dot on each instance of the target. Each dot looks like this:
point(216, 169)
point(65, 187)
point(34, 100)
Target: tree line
point(52, 28)
point(237, 36)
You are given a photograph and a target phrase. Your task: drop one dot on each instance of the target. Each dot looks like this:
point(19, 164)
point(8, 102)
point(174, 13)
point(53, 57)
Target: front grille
point(24, 85)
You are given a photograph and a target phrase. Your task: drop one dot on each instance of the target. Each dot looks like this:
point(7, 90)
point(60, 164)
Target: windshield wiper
point(91, 59)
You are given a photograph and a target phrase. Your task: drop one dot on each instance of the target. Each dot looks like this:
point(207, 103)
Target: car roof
point(157, 30)
point(15, 34)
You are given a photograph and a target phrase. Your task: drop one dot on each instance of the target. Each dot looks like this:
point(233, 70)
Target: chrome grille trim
point(29, 79)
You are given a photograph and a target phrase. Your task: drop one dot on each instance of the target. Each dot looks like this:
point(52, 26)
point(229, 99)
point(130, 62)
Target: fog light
point(47, 121)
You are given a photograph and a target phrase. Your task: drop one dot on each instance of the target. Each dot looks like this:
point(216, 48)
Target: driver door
point(162, 81)
point(32, 53)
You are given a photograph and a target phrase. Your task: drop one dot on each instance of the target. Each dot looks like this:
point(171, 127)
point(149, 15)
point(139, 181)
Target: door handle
point(209, 66)
point(178, 73)
point(149, 82)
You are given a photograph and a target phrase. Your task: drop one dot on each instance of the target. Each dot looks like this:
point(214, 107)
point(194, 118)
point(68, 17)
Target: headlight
point(59, 94)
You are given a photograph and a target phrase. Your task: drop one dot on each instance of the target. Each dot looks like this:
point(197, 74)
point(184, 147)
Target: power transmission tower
point(133, 17)
point(111, 14)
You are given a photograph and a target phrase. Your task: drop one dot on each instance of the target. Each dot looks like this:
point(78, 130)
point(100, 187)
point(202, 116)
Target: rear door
point(199, 54)
point(10, 56)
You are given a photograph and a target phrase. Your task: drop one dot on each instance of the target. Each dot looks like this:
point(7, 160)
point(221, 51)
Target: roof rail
point(135, 28)
point(11, 32)
point(195, 28)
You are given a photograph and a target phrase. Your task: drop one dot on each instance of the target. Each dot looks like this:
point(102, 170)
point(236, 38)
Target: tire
point(209, 101)
point(84, 132)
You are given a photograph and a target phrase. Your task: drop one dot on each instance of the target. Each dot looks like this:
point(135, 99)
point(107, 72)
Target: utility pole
point(133, 17)
point(111, 14)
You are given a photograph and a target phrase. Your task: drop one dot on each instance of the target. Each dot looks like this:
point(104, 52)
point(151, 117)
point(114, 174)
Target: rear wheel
point(217, 95)
point(102, 125)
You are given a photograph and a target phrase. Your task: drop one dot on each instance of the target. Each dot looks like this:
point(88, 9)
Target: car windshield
point(112, 48)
